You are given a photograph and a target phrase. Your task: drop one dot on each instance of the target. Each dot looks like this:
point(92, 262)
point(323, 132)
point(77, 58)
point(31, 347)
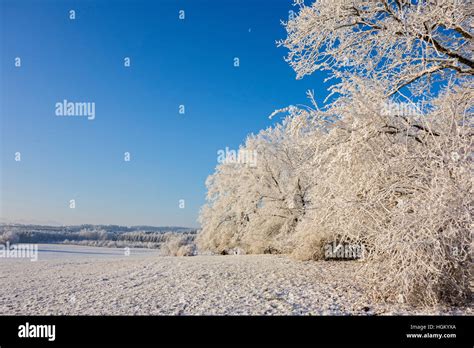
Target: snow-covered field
point(77, 280)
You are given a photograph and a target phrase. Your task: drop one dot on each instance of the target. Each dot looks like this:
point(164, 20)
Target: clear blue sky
point(173, 62)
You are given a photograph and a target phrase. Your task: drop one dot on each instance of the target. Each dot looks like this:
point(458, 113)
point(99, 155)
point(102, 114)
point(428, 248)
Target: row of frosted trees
point(386, 163)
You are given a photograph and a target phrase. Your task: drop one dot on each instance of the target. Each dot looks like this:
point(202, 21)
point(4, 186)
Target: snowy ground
point(77, 280)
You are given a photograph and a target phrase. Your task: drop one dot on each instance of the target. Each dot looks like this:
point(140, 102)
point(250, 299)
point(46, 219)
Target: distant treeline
point(94, 236)
point(107, 228)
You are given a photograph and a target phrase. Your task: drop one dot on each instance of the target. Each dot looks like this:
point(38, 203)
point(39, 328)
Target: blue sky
point(173, 62)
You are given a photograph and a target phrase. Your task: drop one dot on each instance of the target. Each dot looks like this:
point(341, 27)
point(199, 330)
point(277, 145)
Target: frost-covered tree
point(402, 187)
point(256, 208)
